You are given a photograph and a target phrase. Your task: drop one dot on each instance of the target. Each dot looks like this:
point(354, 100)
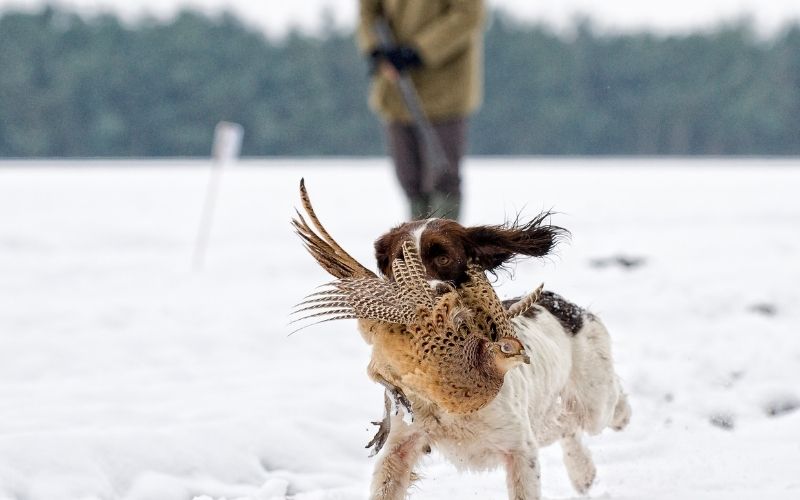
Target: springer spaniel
point(569, 388)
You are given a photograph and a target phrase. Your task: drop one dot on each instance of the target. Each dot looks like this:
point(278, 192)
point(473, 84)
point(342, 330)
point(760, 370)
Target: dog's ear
point(383, 247)
point(493, 246)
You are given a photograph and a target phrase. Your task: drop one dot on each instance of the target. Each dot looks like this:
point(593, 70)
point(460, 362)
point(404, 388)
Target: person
point(440, 44)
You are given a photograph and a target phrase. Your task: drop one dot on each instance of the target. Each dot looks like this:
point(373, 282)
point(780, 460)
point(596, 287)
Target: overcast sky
point(276, 16)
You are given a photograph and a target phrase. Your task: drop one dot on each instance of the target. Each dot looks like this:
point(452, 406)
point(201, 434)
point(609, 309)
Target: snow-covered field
point(126, 375)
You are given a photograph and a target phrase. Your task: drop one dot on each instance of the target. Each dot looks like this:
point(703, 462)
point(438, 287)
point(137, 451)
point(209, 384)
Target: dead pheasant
point(426, 343)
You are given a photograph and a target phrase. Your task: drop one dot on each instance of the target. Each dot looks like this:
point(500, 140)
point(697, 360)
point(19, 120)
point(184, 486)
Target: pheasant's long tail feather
point(325, 320)
point(322, 252)
point(327, 313)
point(321, 245)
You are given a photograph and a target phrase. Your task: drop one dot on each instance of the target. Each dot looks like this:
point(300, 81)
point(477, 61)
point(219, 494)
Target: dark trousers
point(441, 195)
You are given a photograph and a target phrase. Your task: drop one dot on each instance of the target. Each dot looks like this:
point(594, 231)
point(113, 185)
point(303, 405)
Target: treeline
point(71, 86)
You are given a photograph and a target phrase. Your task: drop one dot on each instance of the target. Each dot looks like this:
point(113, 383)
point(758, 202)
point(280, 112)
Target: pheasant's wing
point(322, 246)
point(358, 298)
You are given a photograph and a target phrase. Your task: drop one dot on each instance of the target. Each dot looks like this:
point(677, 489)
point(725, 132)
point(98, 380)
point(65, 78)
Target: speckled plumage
point(446, 359)
point(431, 345)
point(490, 315)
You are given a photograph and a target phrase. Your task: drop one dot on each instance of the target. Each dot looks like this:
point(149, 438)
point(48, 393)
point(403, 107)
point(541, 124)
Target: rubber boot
point(445, 205)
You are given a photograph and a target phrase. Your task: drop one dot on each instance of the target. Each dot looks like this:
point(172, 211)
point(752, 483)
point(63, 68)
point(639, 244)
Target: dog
point(570, 387)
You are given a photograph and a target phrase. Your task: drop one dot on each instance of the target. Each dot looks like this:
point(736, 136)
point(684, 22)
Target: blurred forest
point(83, 87)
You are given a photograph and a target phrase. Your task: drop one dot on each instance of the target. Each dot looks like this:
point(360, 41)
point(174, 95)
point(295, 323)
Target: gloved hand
point(403, 57)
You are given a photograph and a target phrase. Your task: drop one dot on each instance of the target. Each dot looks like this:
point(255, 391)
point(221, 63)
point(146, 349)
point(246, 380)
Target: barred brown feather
point(523, 305)
point(409, 274)
point(319, 243)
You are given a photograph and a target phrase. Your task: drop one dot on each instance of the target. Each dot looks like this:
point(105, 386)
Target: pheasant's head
point(507, 353)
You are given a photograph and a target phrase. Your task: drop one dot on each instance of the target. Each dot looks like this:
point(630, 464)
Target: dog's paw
point(622, 414)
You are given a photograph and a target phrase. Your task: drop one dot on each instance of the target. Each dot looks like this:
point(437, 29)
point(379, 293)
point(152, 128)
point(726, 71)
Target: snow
point(126, 375)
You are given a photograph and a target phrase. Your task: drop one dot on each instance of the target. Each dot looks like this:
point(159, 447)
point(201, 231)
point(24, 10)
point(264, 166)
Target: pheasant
point(426, 342)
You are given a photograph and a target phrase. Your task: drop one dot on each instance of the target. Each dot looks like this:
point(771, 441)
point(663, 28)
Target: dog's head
point(446, 247)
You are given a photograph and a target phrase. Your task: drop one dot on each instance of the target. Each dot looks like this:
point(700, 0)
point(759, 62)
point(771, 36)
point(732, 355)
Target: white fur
point(569, 388)
point(416, 234)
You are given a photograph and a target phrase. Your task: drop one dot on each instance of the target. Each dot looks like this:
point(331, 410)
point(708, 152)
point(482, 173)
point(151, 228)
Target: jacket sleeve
point(450, 33)
point(369, 10)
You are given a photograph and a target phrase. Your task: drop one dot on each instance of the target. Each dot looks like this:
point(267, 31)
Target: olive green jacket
point(448, 35)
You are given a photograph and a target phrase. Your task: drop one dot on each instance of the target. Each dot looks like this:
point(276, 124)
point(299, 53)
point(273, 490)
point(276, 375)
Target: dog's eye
point(506, 348)
point(442, 260)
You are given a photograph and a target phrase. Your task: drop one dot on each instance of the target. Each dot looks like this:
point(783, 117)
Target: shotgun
point(433, 153)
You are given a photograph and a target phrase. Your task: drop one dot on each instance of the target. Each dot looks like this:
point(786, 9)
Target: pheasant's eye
point(506, 348)
point(442, 260)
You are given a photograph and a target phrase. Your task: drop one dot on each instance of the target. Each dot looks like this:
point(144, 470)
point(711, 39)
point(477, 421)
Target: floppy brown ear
point(494, 246)
point(383, 247)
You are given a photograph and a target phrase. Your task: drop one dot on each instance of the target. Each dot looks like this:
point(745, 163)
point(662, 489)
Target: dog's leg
point(394, 470)
point(522, 474)
point(622, 413)
point(578, 460)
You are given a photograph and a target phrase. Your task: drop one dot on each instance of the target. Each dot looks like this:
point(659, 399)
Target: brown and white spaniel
point(569, 389)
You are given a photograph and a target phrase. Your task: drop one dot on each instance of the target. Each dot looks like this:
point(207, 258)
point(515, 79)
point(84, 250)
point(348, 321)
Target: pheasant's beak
point(526, 359)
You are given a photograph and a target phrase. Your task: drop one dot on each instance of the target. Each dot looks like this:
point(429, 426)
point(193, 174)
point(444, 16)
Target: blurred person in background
point(440, 44)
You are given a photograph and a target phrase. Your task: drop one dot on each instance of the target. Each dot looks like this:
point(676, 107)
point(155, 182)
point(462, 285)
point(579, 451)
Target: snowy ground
point(125, 375)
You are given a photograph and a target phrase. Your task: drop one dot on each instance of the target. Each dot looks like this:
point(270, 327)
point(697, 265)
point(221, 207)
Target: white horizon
point(276, 18)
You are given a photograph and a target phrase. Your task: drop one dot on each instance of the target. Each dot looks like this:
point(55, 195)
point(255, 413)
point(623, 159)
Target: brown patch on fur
point(568, 314)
